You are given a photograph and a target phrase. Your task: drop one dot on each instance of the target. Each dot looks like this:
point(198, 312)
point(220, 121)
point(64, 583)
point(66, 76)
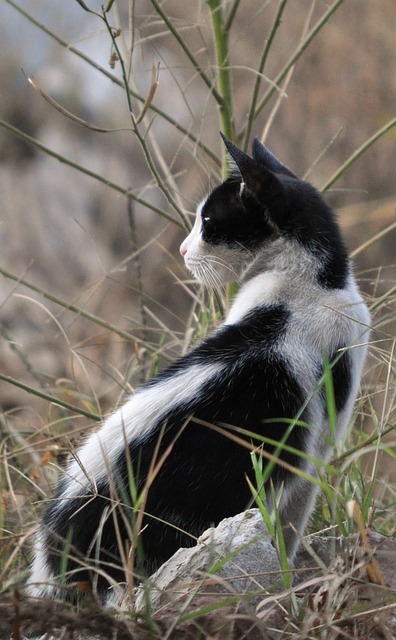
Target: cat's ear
point(260, 182)
point(267, 159)
point(244, 164)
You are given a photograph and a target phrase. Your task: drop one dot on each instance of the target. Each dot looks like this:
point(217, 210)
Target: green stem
point(223, 74)
point(260, 72)
point(358, 153)
point(88, 172)
point(293, 59)
point(115, 80)
point(231, 15)
point(176, 35)
point(47, 396)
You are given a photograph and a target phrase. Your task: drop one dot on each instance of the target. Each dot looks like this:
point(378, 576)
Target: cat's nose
point(183, 249)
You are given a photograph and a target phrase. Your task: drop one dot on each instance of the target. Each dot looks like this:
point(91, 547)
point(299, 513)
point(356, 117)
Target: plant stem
point(356, 154)
point(296, 55)
point(88, 172)
point(231, 15)
point(373, 239)
point(176, 35)
point(53, 399)
point(19, 352)
point(260, 71)
point(69, 306)
point(115, 80)
point(223, 74)
point(148, 157)
point(137, 262)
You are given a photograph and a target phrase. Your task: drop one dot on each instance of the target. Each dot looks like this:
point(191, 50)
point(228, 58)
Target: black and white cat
point(297, 307)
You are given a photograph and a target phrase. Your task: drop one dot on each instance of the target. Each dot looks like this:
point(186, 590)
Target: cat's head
point(259, 203)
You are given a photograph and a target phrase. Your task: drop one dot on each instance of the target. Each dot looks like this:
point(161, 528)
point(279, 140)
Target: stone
point(236, 557)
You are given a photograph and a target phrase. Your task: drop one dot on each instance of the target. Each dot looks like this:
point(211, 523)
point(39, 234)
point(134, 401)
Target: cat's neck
point(282, 256)
point(280, 272)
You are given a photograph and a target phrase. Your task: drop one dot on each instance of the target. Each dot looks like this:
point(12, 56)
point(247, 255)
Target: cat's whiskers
point(217, 260)
point(209, 276)
point(207, 269)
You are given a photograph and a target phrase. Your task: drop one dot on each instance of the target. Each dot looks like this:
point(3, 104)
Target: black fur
point(194, 496)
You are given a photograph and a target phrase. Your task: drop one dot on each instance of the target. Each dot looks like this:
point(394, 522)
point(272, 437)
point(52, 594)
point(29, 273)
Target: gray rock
point(236, 557)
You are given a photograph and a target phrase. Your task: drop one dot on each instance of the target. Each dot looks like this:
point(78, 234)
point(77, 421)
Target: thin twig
point(139, 281)
point(15, 347)
point(39, 145)
point(50, 398)
point(68, 114)
point(231, 15)
point(69, 306)
point(186, 49)
point(260, 71)
point(375, 238)
point(153, 88)
point(142, 138)
point(356, 154)
point(294, 57)
point(190, 136)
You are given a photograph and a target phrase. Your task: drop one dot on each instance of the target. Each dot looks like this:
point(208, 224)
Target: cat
point(258, 374)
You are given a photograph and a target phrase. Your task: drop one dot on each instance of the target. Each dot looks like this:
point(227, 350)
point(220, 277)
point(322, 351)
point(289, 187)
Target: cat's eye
point(205, 220)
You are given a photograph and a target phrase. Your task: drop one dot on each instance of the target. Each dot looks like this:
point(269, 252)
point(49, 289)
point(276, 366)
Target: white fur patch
point(133, 422)
point(259, 291)
point(195, 233)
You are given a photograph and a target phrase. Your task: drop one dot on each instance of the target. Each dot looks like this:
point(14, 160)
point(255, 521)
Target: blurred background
point(69, 234)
